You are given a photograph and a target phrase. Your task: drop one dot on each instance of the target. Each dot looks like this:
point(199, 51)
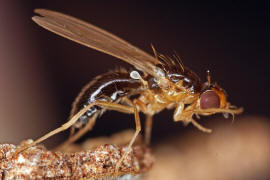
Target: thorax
point(155, 100)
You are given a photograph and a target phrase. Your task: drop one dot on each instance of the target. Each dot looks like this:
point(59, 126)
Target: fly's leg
point(74, 137)
point(148, 122)
point(107, 105)
point(200, 127)
point(218, 110)
point(185, 115)
point(138, 129)
point(148, 129)
point(89, 126)
point(72, 131)
point(127, 101)
point(214, 111)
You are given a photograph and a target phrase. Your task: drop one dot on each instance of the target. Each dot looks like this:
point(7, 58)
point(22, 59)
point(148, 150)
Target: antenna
point(208, 77)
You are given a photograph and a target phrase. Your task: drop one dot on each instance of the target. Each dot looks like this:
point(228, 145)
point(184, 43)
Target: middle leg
point(148, 129)
point(138, 129)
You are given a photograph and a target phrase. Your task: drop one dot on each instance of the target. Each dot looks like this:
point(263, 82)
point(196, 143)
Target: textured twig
point(39, 163)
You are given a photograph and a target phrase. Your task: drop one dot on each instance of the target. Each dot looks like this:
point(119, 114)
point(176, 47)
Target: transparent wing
point(96, 38)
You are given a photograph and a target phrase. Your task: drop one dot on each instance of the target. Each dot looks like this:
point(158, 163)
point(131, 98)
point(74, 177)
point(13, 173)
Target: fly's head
point(213, 99)
point(213, 96)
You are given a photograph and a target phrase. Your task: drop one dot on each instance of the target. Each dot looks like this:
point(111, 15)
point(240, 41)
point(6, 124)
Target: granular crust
point(39, 163)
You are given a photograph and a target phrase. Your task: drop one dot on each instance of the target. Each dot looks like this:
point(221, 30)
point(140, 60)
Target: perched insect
point(161, 82)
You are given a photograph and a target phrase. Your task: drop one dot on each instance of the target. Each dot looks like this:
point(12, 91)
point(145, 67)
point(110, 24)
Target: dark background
point(230, 38)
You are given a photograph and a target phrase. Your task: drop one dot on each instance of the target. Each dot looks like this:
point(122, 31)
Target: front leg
point(185, 115)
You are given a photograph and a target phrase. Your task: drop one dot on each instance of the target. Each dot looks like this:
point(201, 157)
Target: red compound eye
point(209, 99)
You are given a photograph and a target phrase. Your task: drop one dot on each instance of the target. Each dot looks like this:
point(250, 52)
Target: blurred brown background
point(41, 73)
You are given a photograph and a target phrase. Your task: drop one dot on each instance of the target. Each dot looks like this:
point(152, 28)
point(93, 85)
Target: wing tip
point(38, 11)
point(43, 12)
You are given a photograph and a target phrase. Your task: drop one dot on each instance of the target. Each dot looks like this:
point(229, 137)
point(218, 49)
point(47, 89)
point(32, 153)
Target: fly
point(159, 81)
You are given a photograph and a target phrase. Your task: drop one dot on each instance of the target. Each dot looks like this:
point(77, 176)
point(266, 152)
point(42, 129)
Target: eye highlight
point(209, 99)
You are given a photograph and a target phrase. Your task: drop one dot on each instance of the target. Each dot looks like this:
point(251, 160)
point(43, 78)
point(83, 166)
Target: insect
point(161, 82)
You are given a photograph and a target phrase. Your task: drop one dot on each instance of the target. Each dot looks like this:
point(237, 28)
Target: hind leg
point(74, 137)
point(107, 105)
point(89, 126)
